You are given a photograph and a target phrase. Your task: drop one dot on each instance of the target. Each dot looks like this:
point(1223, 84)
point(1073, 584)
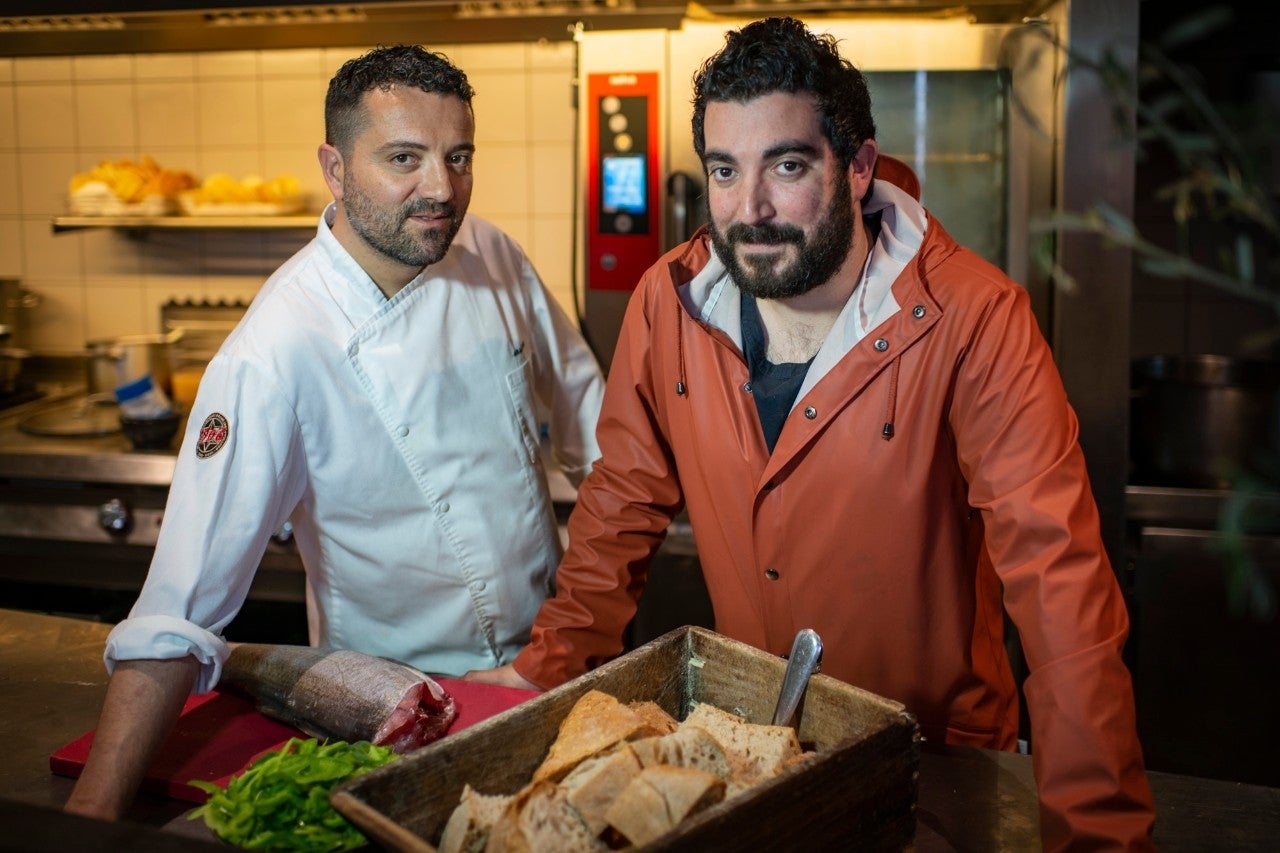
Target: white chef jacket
point(401, 438)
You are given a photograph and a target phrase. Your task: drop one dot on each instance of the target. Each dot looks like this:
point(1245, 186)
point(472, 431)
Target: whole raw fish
point(341, 695)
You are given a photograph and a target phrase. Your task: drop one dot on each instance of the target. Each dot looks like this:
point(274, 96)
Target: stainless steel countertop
point(102, 458)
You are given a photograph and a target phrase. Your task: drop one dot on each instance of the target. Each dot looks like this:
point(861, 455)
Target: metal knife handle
point(806, 654)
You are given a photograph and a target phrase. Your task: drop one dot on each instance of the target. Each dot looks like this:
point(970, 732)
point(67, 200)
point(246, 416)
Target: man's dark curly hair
point(782, 55)
point(382, 68)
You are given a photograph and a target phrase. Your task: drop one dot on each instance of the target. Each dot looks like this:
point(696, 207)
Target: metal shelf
point(296, 221)
point(1201, 509)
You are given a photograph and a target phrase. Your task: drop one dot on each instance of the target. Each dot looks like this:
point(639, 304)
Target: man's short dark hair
point(382, 68)
point(782, 55)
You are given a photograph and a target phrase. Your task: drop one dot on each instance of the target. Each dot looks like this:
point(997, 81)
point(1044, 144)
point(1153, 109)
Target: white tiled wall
point(241, 113)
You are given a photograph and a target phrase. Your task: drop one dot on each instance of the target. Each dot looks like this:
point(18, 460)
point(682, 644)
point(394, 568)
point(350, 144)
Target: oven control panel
point(623, 223)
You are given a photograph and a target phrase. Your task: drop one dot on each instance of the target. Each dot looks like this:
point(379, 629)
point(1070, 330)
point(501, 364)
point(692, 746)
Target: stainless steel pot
point(11, 361)
point(16, 304)
point(115, 361)
point(1199, 421)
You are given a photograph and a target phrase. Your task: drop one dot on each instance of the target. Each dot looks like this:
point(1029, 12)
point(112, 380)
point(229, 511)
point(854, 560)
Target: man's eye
point(403, 159)
point(790, 167)
point(721, 173)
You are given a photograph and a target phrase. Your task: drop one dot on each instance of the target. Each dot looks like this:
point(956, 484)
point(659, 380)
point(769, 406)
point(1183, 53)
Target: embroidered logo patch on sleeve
point(214, 433)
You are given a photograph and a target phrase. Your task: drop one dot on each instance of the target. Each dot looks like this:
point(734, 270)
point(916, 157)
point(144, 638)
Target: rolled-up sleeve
point(167, 638)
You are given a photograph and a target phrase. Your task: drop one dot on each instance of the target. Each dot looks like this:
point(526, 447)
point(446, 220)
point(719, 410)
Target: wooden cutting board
point(219, 733)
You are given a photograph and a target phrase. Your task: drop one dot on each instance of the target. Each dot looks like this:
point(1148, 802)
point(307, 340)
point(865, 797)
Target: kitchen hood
point(68, 27)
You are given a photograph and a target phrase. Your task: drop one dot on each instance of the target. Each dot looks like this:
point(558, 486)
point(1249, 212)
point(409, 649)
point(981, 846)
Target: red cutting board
point(219, 733)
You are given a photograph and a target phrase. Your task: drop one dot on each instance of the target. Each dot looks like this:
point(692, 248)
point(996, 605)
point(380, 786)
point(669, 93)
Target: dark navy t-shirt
point(774, 386)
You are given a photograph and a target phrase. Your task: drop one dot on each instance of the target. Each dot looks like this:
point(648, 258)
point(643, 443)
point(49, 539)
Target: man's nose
point(434, 182)
point(755, 203)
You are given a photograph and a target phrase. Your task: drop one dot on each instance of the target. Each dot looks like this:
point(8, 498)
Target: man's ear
point(331, 166)
point(863, 168)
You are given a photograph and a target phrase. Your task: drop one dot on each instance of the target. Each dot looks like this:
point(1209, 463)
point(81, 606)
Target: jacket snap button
point(746, 386)
point(771, 574)
point(881, 345)
point(810, 412)
point(918, 311)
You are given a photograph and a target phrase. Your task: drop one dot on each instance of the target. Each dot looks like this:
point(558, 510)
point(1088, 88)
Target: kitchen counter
point(101, 453)
point(52, 683)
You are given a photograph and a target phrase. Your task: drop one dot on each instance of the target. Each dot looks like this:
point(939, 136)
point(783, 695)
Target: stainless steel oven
point(80, 510)
point(1204, 575)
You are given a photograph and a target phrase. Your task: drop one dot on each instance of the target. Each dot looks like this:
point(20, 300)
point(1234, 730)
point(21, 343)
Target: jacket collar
point(710, 295)
point(352, 288)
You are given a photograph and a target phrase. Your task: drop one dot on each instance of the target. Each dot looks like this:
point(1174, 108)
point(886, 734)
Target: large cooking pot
point(16, 304)
point(11, 361)
point(116, 361)
point(1199, 421)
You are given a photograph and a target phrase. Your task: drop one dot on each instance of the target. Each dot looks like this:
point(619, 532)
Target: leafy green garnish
point(281, 800)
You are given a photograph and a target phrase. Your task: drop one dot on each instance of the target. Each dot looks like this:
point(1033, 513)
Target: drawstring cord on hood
point(886, 432)
point(680, 387)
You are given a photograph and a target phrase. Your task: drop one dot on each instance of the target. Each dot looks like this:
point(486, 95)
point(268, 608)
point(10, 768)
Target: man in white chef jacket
point(384, 393)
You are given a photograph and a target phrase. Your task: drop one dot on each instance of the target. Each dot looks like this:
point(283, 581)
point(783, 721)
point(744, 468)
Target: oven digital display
point(624, 184)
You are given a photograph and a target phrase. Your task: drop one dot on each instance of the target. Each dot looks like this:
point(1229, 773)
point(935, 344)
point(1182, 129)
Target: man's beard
point(384, 229)
point(816, 259)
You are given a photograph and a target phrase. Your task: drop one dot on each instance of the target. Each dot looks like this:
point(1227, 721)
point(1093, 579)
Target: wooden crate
point(859, 793)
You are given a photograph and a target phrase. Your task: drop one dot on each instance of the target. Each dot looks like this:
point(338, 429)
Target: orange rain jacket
point(935, 464)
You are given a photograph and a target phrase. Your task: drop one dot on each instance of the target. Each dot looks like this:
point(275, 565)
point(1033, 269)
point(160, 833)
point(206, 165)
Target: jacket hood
point(894, 171)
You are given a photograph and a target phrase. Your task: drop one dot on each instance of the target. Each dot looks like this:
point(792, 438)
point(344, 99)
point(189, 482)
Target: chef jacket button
point(771, 574)
point(881, 345)
point(480, 586)
point(917, 312)
point(810, 412)
point(746, 386)
point(443, 506)
point(402, 431)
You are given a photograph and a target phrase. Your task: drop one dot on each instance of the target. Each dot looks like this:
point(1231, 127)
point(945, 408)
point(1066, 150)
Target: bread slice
point(539, 818)
point(597, 781)
point(659, 798)
point(596, 722)
point(685, 747)
point(467, 830)
point(657, 721)
point(755, 751)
